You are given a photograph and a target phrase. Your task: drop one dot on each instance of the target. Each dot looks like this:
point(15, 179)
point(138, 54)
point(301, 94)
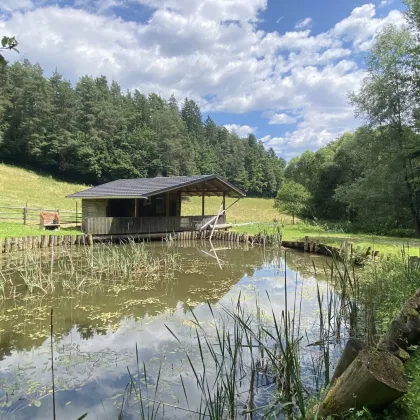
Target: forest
point(93, 133)
point(369, 180)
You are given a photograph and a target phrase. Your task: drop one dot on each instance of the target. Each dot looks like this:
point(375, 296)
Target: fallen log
point(374, 379)
point(397, 333)
point(395, 350)
point(351, 350)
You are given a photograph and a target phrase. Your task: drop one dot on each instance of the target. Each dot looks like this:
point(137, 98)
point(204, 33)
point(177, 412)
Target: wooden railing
point(138, 225)
point(31, 215)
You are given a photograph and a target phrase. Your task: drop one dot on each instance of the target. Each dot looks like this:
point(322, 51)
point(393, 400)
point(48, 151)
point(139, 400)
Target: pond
point(144, 332)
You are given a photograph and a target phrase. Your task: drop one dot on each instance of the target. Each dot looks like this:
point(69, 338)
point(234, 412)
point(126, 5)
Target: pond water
point(104, 335)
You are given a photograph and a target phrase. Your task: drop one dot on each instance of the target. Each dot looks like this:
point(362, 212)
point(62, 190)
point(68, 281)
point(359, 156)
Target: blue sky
point(279, 69)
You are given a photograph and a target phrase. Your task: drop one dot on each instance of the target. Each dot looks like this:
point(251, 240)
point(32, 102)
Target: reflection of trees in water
point(201, 280)
point(309, 265)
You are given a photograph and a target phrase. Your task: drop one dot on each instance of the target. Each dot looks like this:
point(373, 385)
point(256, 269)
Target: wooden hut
point(147, 206)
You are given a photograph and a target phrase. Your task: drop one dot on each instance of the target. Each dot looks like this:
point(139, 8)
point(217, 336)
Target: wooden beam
point(224, 201)
point(135, 207)
point(202, 204)
point(167, 204)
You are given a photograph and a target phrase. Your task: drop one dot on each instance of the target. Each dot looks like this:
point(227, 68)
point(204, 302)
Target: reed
point(77, 269)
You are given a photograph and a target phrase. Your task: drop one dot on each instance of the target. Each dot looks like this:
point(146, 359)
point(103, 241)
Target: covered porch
point(153, 205)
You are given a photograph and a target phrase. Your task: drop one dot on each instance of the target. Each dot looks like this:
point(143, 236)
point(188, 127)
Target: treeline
point(370, 180)
point(94, 133)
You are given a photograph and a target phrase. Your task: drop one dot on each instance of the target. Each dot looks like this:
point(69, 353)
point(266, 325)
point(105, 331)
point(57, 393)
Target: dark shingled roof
point(147, 187)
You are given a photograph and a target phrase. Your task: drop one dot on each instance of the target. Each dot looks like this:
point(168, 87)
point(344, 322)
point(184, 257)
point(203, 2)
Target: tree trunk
point(351, 350)
point(293, 218)
point(373, 380)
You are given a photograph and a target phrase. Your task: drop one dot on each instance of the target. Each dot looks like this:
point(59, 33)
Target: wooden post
point(306, 246)
point(13, 244)
point(1, 245)
point(51, 241)
point(202, 204)
point(76, 213)
point(167, 204)
point(90, 240)
point(7, 245)
point(44, 241)
point(25, 213)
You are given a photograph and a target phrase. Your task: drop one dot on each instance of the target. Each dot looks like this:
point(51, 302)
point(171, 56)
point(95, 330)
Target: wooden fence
point(48, 241)
point(31, 215)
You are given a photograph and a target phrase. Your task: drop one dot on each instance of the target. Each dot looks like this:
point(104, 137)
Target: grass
point(19, 186)
point(259, 210)
point(16, 230)
point(297, 232)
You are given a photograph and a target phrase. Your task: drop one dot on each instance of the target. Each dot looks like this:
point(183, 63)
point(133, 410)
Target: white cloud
point(385, 3)
point(13, 5)
point(361, 26)
point(213, 51)
point(281, 118)
point(240, 130)
point(304, 23)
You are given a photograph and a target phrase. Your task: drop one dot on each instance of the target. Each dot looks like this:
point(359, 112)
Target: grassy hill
point(19, 186)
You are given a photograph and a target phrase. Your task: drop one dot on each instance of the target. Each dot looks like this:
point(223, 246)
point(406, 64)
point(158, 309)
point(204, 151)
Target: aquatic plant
point(77, 269)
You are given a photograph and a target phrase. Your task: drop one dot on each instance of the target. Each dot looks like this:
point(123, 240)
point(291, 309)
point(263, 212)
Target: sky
point(281, 69)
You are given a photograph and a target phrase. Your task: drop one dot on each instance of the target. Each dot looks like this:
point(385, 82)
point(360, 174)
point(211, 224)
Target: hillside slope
point(19, 186)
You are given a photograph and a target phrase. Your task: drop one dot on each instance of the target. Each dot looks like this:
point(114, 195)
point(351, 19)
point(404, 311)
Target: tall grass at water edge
point(253, 368)
point(68, 268)
point(255, 365)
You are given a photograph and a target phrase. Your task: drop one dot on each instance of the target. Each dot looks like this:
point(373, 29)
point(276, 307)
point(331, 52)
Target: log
point(397, 333)
point(373, 380)
point(351, 350)
point(414, 334)
point(395, 350)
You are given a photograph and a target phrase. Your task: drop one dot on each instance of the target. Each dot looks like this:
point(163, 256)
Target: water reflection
point(96, 333)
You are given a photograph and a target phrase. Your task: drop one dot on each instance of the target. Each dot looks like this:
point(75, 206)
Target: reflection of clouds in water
point(92, 371)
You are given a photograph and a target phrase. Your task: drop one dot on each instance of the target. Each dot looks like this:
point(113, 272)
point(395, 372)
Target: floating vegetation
point(78, 269)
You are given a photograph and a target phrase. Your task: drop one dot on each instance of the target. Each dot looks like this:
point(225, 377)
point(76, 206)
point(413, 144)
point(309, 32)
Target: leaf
point(37, 403)
point(4, 41)
point(82, 417)
point(67, 403)
point(3, 61)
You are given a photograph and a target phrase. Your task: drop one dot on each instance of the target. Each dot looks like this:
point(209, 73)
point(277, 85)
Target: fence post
point(25, 213)
point(76, 212)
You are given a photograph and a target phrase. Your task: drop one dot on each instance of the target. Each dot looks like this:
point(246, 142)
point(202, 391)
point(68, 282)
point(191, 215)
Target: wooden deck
point(145, 225)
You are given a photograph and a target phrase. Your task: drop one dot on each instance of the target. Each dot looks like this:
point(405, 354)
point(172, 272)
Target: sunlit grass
point(16, 230)
point(383, 244)
point(20, 186)
point(245, 210)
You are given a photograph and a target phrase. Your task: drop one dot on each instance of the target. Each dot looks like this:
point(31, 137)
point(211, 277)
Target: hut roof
point(148, 187)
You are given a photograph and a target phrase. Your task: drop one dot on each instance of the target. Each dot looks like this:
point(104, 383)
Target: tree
point(293, 199)
point(7, 43)
point(387, 101)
